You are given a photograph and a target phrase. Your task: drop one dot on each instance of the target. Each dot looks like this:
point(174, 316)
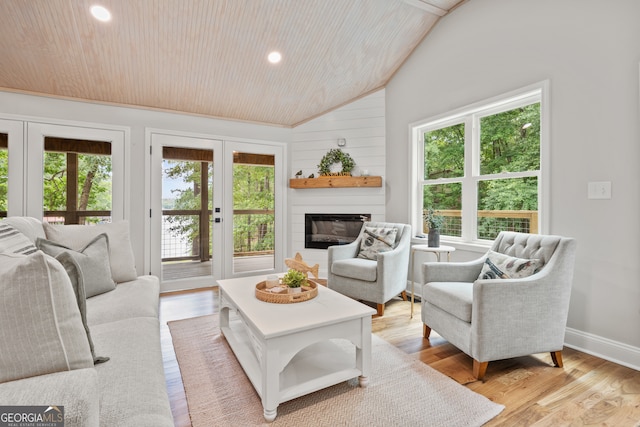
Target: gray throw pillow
point(93, 262)
point(77, 282)
point(123, 268)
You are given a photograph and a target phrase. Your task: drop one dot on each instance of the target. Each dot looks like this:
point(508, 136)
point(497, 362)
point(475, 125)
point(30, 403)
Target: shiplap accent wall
point(362, 124)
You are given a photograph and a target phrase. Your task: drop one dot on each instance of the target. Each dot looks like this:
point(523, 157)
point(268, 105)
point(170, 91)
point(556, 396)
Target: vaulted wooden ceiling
point(209, 57)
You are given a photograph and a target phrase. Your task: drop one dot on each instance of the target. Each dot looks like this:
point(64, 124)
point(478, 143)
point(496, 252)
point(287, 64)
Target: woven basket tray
point(308, 292)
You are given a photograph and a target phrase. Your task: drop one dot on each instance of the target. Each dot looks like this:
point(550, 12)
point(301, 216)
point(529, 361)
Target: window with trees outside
point(480, 168)
point(77, 181)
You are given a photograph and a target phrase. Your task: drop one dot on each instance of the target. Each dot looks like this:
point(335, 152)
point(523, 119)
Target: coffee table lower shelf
point(317, 366)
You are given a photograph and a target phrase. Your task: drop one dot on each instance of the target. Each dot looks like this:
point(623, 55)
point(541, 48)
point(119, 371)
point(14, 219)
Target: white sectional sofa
point(56, 368)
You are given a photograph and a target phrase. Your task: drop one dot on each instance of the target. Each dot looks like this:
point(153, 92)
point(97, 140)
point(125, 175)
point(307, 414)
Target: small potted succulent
point(294, 279)
point(434, 223)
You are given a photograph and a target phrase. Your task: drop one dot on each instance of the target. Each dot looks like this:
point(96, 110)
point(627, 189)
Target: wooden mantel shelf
point(336, 182)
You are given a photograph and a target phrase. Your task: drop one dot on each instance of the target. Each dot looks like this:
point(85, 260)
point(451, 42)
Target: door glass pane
point(187, 194)
point(445, 200)
point(77, 181)
point(507, 204)
point(444, 152)
point(253, 212)
point(510, 141)
point(4, 173)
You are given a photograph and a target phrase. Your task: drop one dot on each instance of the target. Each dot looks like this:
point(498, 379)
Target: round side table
point(437, 251)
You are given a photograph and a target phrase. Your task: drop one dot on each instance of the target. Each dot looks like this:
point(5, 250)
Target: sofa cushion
point(93, 260)
point(501, 266)
point(13, 241)
point(375, 240)
point(78, 236)
point(453, 297)
point(132, 385)
point(356, 268)
point(76, 390)
point(41, 329)
point(138, 298)
point(29, 226)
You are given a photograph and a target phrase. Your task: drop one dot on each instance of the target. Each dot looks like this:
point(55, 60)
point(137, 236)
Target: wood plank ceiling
point(208, 57)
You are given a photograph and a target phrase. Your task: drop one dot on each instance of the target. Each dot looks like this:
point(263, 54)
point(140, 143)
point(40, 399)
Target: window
point(4, 173)
point(253, 210)
point(77, 181)
point(480, 167)
point(187, 203)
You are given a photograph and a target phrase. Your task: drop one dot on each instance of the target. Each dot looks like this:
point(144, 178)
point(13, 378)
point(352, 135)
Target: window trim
point(16, 149)
point(470, 116)
point(118, 137)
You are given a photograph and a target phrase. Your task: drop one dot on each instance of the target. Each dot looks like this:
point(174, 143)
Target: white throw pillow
point(29, 226)
point(13, 241)
point(41, 329)
point(376, 240)
point(501, 266)
point(76, 237)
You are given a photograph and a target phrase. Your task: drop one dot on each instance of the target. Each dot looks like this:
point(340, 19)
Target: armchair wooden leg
point(426, 331)
point(404, 295)
point(479, 369)
point(380, 309)
point(556, 356)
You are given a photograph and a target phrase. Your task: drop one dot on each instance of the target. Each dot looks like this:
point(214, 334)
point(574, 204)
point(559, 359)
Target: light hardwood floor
point(588, 391)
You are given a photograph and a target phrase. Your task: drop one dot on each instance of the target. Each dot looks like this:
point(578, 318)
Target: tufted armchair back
point(528, 246)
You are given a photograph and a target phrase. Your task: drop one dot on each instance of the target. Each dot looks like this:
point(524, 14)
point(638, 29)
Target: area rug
point(402, 391)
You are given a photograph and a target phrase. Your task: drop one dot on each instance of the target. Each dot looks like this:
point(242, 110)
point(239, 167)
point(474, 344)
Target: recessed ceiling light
point(101, 13)
point(274, 57)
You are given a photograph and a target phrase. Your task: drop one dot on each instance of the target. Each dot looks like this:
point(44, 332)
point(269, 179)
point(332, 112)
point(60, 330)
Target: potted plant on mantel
point(434, 223)
point(294, 279)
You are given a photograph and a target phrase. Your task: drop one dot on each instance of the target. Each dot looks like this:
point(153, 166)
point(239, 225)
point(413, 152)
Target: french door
point(254, 208)
point(186, 211)
point(217, 210)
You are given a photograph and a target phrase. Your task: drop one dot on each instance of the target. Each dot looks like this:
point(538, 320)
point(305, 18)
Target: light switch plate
point(599, 190)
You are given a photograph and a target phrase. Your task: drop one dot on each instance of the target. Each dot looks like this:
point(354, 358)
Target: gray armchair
point(493, 318)
point(365, 279)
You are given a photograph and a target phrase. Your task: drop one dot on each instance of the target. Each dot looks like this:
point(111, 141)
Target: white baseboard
point(613, 351)
point(186, 284)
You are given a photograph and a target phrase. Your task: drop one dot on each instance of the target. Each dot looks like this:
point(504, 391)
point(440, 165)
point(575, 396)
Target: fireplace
point(324, 230)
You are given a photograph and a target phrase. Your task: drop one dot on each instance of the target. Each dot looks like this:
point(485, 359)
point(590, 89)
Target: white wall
point(590, 52)
point(362, 124)
point(20, 105)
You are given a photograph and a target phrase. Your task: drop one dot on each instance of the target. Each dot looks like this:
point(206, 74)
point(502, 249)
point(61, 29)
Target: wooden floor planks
point(587, 391)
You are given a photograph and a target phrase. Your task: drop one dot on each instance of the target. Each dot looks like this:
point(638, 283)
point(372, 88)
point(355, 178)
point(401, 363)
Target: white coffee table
point(286, 350)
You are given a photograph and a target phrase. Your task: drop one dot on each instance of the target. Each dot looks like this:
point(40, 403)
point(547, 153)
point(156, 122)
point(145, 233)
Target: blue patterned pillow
point(501, 266)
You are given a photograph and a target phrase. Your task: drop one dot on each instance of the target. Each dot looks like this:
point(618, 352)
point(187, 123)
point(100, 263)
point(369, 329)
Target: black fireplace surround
point(324, 230)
